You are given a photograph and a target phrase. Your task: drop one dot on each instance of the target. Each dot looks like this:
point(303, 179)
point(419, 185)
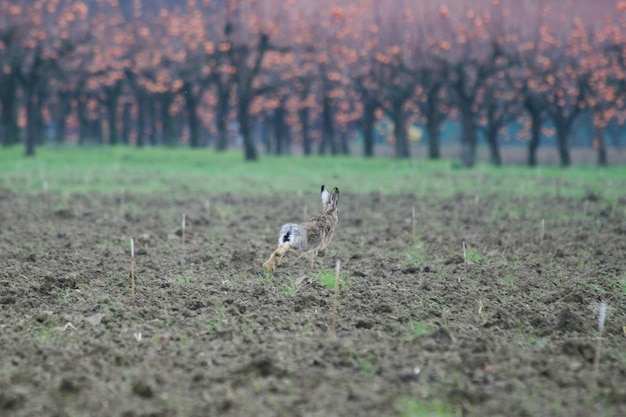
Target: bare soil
point(512, 333)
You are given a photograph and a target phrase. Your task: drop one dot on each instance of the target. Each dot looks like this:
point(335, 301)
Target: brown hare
point(312, 236)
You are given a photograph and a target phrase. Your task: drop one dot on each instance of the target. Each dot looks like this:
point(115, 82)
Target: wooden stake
point(413, 221)
point(46, 195)
point(543, 224)
point(184, 235)
point(596, 359)
point(207, 206)
point(464, 260)
point(122, 202)
point(132, 271)
point(476, 204)
point(333, 323)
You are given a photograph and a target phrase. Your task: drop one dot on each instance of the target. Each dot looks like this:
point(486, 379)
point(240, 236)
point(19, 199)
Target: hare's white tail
point(293, 234)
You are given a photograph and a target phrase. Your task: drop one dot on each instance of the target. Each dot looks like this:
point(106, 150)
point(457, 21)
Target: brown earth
point(211, 334)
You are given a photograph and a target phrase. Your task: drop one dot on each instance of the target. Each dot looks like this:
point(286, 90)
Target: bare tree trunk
point(280, 129)
point(602, 153)
point(151, 130)
point(400, 130)
point(191, 102)
point(40, 131)
point(303, 115)
point(433, 124)
point(245, 129)
point(344, 137)
point(601, 143)
point(83, 120)
point(112, 96)
point(494, 146)
point(468, 138)
point(535, 137)
point(329, 138)
point(60, 115)
point(8, 99)
point(95, 130)
point(126, 123)
point(142, 110)
point(491, 134)
point(562, 137)
point(369, 118)
point(221, 117)
point(31, 125)
point(266, 137)
point(434, 142)
point(168, 131)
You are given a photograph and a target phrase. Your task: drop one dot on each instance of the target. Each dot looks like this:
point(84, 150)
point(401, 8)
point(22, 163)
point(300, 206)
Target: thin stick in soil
point(132, 272)
point(464, 261)
point(183, 235)
point(207, 206)
point(476, 204)
point(543, 228)
point(46, 195)
point(333, 323)
point(413, 222)
point(596, 358)
point(122, 202)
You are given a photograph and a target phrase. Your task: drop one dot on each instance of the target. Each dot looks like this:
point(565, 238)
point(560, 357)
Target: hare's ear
point(334, 197)
point(325, 196)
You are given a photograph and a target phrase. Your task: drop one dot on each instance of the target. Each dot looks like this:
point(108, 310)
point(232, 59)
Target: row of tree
point(148, 72)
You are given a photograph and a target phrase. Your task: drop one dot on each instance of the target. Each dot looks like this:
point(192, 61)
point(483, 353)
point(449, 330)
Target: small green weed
point(107, 245)
point(472, 255)
point(215, 322)
point(289, 287)
point(366, 363)
point(620, 285)
point(267, 280)
point(537, 341)
point(182, 280)
point(508, 280)
point(107, 304)
point(418, 329)
point(415, 256)
point(410, 407)
point(327, 279)
point(482, 313)
point(593, 287)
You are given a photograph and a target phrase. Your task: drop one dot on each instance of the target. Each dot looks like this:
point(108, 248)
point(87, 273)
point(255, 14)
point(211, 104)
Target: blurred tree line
point(277, 73)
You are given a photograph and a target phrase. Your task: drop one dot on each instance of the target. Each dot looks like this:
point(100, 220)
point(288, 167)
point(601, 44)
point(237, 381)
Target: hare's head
point(329, 200)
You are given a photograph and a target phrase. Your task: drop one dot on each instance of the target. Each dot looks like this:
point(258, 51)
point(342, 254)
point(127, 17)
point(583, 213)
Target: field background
point(509, 329)
point(112, 170)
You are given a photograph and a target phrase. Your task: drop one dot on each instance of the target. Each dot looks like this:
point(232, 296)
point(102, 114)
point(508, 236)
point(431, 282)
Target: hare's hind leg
point(270, 264)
